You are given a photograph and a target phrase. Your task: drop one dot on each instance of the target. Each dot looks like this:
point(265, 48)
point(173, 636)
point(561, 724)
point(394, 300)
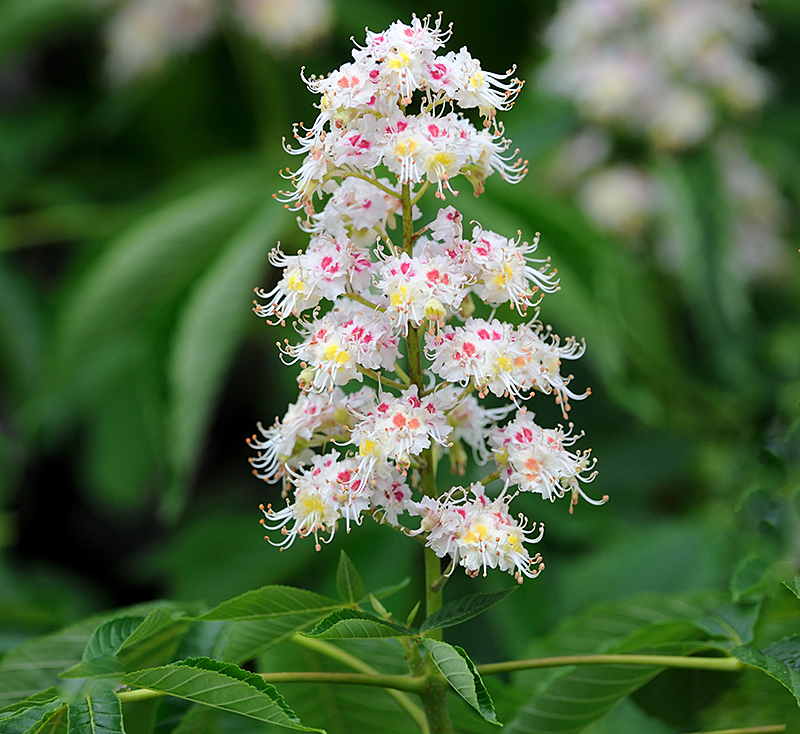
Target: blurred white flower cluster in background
point(142, 35)
point(671, 76)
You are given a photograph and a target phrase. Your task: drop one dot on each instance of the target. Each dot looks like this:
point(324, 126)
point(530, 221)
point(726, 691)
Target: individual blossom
point(420, 287)
point(325, 492)
point(504, 270)
point(311, 419)
point(398, 429)
point(479, 534)
point(328, 268)
point(337, 344)
point(358, 210)
point(538, 459)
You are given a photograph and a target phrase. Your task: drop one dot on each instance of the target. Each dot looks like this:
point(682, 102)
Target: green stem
point(363, 301)
point(381, 380)
point(395, 682)
point(434, 700)
point(662, 661)
point(421, 192)
point(392, 682)
point(489, 478)
point(433, 695)
point(771, 729)
point(336, 653)
point(343, 174)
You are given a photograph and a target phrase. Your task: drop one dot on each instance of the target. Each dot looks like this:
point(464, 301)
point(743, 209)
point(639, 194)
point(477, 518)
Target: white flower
point(311, 417)
point(327, 269)
point(478, 534)
point(285, 24)
point(621, 198)
point(397, 429)
point(537, 460)
point(656, 68)
point(324, 493)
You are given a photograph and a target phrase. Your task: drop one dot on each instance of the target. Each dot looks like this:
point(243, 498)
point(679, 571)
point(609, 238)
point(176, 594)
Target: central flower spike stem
point(433, 692)
point(427, 470)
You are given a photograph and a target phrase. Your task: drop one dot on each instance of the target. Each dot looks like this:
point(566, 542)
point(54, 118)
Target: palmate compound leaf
point(100, 713)
point(781, 661)
point(459, 671)
point(348, 582)
point(463, 609)
point(351, 624)
point(220, 685)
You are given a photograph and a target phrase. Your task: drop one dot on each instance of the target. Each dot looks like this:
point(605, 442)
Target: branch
point(336, 653)
point(662, 661)
point(396, 682)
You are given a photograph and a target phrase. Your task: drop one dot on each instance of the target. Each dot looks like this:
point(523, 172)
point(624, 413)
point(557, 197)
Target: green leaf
point(154, 641)
point(573, 701)
point(99, 659)
point(155, 258)
point(781, 661)
point(37, 699)
point(628, 718)
point(352, 624)
point(748, 577)
point(463, 609)
point(242, 641)
point(210, 327)
point(270, 602)
point(345, 709)
point(264, 617)
point(30, 713)
point(454, 664)
point(34, 665)
point(385, 591)
point(348, 582)
point(732, 621)
point(100, 713)
point(128, 643)
point(568, 700)
point(219, 685)
point(793, 585)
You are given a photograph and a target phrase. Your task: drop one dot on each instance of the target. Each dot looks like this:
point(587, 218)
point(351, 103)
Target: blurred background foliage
point(137, 214)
